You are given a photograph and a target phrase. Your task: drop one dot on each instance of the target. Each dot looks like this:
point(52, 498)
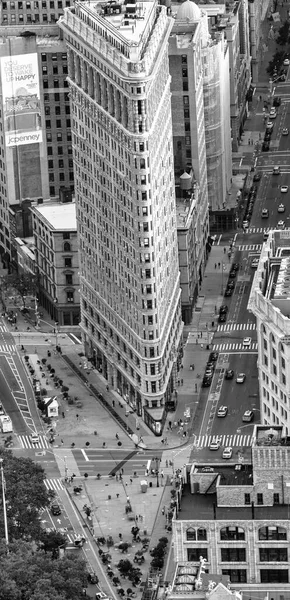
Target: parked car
point(286, 62)
point(276, 170)
point(281, 224)
point(240, 378)
point(276, 101)
point(206, 381)
point(265, 147)
point(227, 452)
point(213, 355)
point(222, 318)
point(228, 292)
point(254, 263)
point(229, 374)
point(273, 113)
point(248, 416)
point(257, 176)
point(284, 189)
point(285, 131)
point(223, 309)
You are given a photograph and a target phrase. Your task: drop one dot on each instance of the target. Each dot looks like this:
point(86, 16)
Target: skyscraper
point(124, 186)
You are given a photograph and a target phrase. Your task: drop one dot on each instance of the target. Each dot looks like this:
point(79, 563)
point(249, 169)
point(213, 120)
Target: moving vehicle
point(265, 213)
point(6, 424)
point(248, 416)
point(284, 189)
point(229, 374)
point(286, 62)
point(265, 146)
point(247, 341)
point(269, 126)
point(281, 224)
point(273, 113)
point(285, 131)
point(222, 411)
point(240, 378)
point(276, 170)
point(257, 176)
point(214, 355)
point(55, 509)
point(223, 309)
point(215, 444)
point(227, 452)
point(222, 317)
point(281, 208)
point(34, 438)
point(254, 263)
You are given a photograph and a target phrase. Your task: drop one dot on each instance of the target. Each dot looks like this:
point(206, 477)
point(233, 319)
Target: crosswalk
point(25, 442)
point(8, 348)
point(250, 247)
point(203, 441)
point(237, 327)
point(263, 229)
point(236, 347)
point(53, 484)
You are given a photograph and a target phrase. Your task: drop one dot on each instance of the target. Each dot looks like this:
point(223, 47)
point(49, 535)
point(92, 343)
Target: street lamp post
point(4, 504)
point(56, 332)
point(157, 460)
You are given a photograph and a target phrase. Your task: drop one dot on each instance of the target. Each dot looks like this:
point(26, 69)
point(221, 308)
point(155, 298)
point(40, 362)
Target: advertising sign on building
point(21, 100)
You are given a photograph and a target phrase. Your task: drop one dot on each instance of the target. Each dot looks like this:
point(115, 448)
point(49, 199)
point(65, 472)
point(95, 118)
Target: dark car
point(228, 292)
point(223, 309)
point(213, 356)
point(222, 318)
point(265, 147)
point(55, 509)
point(232, 274)
point(206, 381)
point(276, 101)
point(229, 374)
point(267, 136)
point(257, 176)
point(235, 266)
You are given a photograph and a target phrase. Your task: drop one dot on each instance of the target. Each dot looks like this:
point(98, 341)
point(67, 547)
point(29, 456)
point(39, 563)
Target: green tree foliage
point(26, 495)
point(276, 62)
point(29, 574)
point(284, 34)
point(25, 284)
point(50, 541)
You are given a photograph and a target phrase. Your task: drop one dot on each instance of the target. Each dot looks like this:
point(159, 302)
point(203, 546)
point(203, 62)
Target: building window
point(201, 534)
point(193, 554)
point(276, 497)
point(69, 279)
point(66, 235)
point(233, 554)
point(232, 533)
point(191, 534)
point(274, 575)
point(66, 247)
point(236, 575)
point(70, 297)
point(272, 533)
point(67, 262)
point(260, 499)
point(55, 83)
point(247, 498)
point(273, 555)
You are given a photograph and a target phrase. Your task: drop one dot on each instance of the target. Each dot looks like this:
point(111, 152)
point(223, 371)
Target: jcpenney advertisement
point(21, 100)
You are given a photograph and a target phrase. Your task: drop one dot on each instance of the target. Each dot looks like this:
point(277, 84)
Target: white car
point(281, 224)
point(215, 444)
point(248, 416)
point(222, 411)
point(245, 224)
point(281, 208)
point(284, 189)
point(273, 113)
point(254, 263)
point(285, 131)
point(227, 452)
point(240, 378)
point(34, 438)
point(247, 341)
point(286, 62)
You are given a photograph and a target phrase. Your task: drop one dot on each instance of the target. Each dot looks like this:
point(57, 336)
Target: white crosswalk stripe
point(239, 440)
point(26, 442)
point(53, 484)
point(237, 327)
point(249, 247)
point(228, 347)
point(261, 229)
point(7, 348)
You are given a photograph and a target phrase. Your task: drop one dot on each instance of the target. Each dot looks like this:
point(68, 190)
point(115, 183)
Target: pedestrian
point(117, 495)
point(225, 250)
point(170, 425)
point(113, 403)
point(77, 416)
point(163, 510)
point(166, 463)
point(120, 536)
point(181, 381)
point(219, 264)
point(131, 480)
point(117, 437)
point(165, 441)
point(215, 265)
point(107, 388)
point(201, 334)
point(184, 434)
point(61, 441)
point(63, 415)
point(162, 474)
point(122, 471)
point(104, 444)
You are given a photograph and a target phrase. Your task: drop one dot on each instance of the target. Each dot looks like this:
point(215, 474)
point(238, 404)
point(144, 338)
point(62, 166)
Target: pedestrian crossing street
point(237, 327)
point(228, 347)
point(8, 348)
point(25, 442)
point(249, 247)
point(203, 441)
point(54, 484)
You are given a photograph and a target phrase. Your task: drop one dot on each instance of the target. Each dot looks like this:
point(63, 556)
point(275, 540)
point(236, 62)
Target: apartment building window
point(272, 533)
point(276, 497)
point(185, 86)
point(260, 499)
point(55, 67)
point(43, 57)
point(51, 177)
point(193, 554)
point(56, 97)
point(48, 124)
point(273, 554)
point(70, 297)
point(66, 247)
point(50, 164)
point(66, 235)
point(247, 498)
point(236, 575)
point(49, 151)
point(232, 533)
point(59, 136)
point(55, 83)
point(45, 83)
point(274, 575)
point(52, 190)
point(67, 262)
point(233, 554)
point(69, 279)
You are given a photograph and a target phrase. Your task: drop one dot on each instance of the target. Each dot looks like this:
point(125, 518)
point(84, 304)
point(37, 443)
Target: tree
point(276, 62)
point(26, 495)
point(52, 540)
point(30, 573)
point(25, 284)
point(284, 34)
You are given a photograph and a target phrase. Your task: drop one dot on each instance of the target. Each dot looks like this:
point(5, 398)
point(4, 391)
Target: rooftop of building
point(185, 582)
point(240, 474)
point(203, 507)
point(58, 216)
point(275, 435)
point(127, 17)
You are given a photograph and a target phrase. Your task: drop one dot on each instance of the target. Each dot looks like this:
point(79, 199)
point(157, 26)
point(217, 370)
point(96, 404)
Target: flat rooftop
point(229, 474)
point(59, 217)
point(204, 507)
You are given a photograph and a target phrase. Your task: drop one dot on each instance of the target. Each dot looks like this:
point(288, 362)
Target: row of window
point(239, 554)
point(30, 18)
point(233, 533)
point(266, 575)
point(34, 5)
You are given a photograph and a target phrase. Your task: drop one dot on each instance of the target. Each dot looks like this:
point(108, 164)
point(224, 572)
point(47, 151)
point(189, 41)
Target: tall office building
point(124, 184)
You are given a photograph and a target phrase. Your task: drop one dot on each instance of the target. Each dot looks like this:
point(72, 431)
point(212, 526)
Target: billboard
point(21, 100)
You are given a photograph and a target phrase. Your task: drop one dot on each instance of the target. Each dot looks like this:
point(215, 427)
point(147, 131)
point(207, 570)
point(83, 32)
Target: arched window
point(272, 533)
point(272, 339)
point(66, 247)
point(191, 534)
point(264, 329)
point(201, 534)
point(232, 533)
